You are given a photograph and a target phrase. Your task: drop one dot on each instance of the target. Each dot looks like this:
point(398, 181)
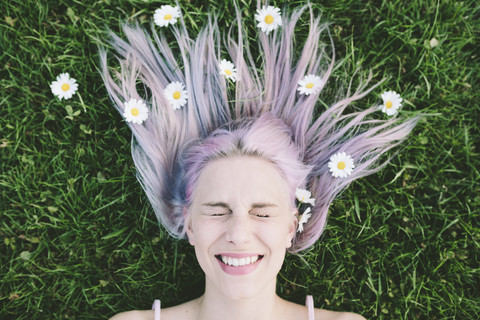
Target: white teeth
point(239, 262)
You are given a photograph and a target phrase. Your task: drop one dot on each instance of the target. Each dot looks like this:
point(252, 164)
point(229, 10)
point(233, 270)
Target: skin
point(240, 206)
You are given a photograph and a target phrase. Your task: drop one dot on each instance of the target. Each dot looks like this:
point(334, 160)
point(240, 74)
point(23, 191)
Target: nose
point(240, 229)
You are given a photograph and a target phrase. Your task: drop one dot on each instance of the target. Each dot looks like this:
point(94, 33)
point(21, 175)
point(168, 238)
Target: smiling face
point(241, 222)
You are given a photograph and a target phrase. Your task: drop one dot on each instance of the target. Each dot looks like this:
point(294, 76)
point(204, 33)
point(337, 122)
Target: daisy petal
point(391, 102)
point(341, 165)
point(269, 18)
point(176, 94)
point(304, 219)
point(135, 111)
point(304, 196)
point(227, 69)
point(310, 84)
point(166, 15)
point(64, 87)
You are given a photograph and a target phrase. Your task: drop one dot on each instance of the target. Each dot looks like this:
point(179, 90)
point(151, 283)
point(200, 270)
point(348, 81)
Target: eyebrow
point(216, 204)
point(264, 205)
point(258, 205)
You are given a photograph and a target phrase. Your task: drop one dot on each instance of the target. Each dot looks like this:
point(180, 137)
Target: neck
point(263, 305)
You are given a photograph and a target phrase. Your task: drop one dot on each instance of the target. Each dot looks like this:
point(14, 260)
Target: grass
point(79, 239)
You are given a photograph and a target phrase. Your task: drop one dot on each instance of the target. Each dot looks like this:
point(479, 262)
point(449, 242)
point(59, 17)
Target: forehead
point(247, 177)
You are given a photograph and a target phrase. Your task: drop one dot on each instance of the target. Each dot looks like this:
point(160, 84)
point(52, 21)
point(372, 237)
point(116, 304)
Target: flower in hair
point(166, 15)
point(391, 102)
point(135, 111)
point(228, 70)
point(269, 18)
point(304, 196)
point(304, 219)
point(176, 94)
point(309, 84)
point(64, 87)
point(341, 165)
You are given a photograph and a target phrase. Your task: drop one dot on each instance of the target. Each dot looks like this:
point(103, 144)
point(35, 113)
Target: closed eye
point(216, 209)
point(263, 210)
point(219, 214)
point(260, 212)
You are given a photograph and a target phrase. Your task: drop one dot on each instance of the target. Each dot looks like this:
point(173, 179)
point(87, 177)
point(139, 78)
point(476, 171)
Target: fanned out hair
point(260, 115)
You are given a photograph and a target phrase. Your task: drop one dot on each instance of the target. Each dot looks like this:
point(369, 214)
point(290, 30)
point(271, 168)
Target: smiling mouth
point(238, 262)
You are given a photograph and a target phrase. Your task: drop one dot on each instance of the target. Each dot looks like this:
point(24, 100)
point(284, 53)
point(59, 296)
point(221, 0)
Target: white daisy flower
point(304, 196)
point(269, 18)
point(176, 94)
point(309, 84)
point(64, 87)
point(135, 111)
point(391, 102)
point(341, 165)
point(228, 70)
point(166, 15)
point(304, 219)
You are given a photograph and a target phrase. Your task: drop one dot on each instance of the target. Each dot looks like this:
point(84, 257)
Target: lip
point(243, 270)
point(238, 255)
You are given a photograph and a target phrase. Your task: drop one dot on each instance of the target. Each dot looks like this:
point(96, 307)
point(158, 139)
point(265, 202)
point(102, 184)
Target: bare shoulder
point(297, 311)
point(184, 311)
point(321, 314)
point(134, 315)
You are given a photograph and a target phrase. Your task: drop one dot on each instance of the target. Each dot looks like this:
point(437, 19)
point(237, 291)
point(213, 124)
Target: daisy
point(228, 70)
point(341, 165)
point(269, 18)
point(391, 102)
point(166, 15)
point(64, 87)
point(304, 196)
point(309, 84)
point(135, 111)
point(304, 219)
point(176, 94)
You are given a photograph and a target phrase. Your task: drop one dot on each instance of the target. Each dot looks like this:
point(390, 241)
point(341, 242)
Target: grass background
point(80, 241)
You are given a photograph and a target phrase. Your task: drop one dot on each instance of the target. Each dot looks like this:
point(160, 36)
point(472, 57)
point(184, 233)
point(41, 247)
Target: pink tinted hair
point(262, 116)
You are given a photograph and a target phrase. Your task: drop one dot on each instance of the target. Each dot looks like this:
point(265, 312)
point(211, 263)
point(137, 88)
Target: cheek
point(204, 233)
point(276, 235)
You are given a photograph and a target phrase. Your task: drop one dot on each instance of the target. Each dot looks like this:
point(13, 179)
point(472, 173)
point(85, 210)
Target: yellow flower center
point(341, 165)
point(135, 112)
point(309, 85)
point(176, 95)
point(65, 87)
point(268, 19)
point(228, 72)
point(389, 104)
point(168, 16)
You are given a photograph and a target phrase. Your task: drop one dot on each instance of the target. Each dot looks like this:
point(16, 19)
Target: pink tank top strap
point(156, 309)
point(311, 309)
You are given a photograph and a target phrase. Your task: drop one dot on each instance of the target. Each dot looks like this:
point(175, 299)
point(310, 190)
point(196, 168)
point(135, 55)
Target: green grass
point(80, 241)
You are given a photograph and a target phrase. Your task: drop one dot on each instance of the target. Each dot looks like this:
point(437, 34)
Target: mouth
point(238, 262)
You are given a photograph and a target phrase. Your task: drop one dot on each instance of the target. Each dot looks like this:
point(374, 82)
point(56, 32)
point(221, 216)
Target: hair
point(266, 137)
point(261, 115)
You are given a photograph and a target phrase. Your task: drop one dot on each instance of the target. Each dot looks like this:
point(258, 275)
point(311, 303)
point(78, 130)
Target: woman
point(225, 153)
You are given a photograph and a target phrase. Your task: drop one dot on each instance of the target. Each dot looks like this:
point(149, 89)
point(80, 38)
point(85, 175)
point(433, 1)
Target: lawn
point(79, 239)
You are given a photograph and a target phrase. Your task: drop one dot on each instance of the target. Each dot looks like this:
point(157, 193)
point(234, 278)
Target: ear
point(188, 226)
point(292, 229)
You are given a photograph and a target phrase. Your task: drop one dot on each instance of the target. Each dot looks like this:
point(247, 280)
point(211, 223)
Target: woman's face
point(240, 221)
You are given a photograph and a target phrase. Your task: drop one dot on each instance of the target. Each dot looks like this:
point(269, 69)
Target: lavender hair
point(267, 118)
